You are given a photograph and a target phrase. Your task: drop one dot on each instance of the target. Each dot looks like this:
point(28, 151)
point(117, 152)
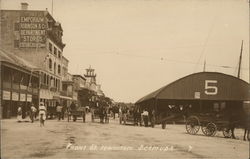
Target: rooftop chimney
point(24, 6)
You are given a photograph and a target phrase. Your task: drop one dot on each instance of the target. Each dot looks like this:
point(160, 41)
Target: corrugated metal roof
point(203, 86)
point(14, 59)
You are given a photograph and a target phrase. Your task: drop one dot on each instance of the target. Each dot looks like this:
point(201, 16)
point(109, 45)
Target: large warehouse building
point(200, 92)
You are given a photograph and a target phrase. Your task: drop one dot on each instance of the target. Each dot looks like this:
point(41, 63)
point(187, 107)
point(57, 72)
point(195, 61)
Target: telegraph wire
point(161, 58)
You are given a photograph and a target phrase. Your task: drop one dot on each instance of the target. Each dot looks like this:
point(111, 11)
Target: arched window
point(56, 83)
point(48, 80)
point(51, 82)
point(54, 67)
point(59, 69)
point(44, 79)
point(50, 64)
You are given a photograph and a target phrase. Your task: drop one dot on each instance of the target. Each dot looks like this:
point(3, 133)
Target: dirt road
point(60, 139)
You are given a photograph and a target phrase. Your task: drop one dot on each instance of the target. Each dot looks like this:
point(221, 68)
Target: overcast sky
point(138, 46)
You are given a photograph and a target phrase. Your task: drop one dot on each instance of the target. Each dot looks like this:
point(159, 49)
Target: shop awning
point(65, 97)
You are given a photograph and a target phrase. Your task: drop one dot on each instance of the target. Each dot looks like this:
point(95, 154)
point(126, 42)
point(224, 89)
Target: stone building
point(36, 36)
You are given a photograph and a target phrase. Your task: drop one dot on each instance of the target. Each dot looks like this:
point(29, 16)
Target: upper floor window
point(59, 54)
point(45, 79)
point(54, 68)
point(50, 47)
point(59, 69)
point(50, 64)
point(55, 51)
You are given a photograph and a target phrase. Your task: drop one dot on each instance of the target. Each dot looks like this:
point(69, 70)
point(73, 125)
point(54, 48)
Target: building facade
point(19, 86)
point(36, 37)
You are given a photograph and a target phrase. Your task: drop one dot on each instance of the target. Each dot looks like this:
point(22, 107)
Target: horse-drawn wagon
point(100, 113)
point(226, 119)
point(76, 113)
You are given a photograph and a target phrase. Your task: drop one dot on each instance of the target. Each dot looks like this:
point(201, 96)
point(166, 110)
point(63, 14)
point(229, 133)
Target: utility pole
point(240, 59)
point(204, 67)
point(52, 8)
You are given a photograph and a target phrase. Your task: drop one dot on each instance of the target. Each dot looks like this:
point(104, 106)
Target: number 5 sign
point(210, 87)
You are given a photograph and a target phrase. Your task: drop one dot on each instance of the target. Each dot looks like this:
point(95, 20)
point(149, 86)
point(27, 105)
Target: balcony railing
point(54, 89)
point(43, 86)
point(65, 93)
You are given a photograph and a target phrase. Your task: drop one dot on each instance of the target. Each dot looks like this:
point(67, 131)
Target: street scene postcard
point(124, 79)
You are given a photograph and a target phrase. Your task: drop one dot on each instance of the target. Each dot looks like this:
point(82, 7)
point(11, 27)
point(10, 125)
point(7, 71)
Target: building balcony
point(43, 86)
point(54, 89)
point(65, 93)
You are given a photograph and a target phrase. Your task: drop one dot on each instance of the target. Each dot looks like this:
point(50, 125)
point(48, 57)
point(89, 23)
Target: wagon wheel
point(120, 119)
point(108, 120)
point(227, 133)
point(209, 130)
point(248, 136)
point(74, 118)
point(192, 125)
point(83, 120)
point(163, 125)
point(68, 118)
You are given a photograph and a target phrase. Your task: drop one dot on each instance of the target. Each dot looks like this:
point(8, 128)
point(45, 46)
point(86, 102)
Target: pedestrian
point(101, 114)
point(63, 111)
point(84, 114)
point(42, 113)
point(145, 117)
point(106, 112)
point(32, 112)
point(19, 114)
point(72, 106)
point(59, 111)
point(153, 118)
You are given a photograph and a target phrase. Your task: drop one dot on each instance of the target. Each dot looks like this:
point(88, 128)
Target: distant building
point(91, 78)
point(79, 81)
point(37, 37)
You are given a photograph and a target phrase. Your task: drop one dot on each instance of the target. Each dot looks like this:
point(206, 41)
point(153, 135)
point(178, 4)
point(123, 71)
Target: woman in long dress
point(19, 114)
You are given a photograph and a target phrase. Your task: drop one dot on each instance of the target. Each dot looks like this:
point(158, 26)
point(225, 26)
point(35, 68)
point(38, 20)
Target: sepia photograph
point(124, 79)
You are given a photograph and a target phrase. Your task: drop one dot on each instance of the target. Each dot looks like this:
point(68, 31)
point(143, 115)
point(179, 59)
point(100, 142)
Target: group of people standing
point(145, 116)
point(33, 112)
point(141, 116)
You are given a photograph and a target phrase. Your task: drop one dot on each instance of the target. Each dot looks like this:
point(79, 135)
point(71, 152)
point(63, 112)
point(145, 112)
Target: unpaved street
point(107, 141)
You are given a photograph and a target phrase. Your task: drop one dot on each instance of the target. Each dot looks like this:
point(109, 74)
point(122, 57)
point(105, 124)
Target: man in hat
point(32, 112)
point(42, 113)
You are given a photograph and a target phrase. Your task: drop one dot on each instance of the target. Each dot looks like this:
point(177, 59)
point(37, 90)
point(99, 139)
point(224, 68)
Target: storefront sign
point(6, 95)
point(29, 97)
point(32, 30)
point(22, 97)
point(23, 87)
point(15, 96)
point(197, 95)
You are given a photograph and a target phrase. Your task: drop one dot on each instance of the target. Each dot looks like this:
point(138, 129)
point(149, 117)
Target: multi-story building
point(69, 92)
point(88, 89)
point(18, 85)
point(37, 37)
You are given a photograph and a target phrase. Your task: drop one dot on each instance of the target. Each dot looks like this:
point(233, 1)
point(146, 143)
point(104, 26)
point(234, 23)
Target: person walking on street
point(145, 117)
point(59, 111)
point(42, 113)
point(32, 112)
point(84, 114)
point(19, 114)
point(153, 118)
